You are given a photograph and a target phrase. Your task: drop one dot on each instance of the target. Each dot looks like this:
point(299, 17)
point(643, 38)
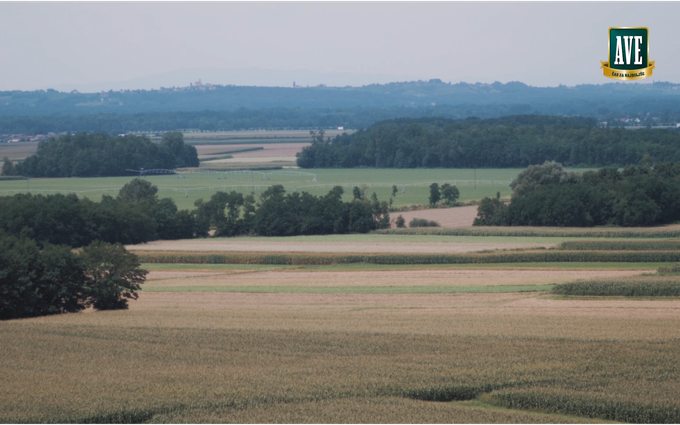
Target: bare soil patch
point(269, 150)
point(446, 217)
point(243, 245)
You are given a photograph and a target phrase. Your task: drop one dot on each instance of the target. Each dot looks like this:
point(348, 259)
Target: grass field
point(186, 190)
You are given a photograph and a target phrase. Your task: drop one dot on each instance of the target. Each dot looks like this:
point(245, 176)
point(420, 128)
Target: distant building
point(342, 128)
point(74, 91)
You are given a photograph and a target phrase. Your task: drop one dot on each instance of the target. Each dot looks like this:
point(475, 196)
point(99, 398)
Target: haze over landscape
point(252, 212)
point(100, 46)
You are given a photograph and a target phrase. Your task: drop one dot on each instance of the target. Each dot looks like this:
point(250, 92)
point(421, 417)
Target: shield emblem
point(628, 54)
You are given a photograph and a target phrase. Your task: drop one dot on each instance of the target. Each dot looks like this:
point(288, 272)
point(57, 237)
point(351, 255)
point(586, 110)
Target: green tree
point(401, 222)
point(450, 193)
point(394, 190)
point(138, 190)
point(35, 282)
point(435, 195)
point(7, 167)
point(356, 193)
point(549, 172)
point(112, 274)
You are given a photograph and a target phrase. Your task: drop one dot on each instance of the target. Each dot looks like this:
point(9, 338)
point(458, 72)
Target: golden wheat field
point(183, 353)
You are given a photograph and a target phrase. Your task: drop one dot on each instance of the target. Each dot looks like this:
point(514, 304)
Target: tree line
point(548, 195)
point(137, 215)
point(512, 141)
point(52, 279)
point(101, 155)
point(40, 274)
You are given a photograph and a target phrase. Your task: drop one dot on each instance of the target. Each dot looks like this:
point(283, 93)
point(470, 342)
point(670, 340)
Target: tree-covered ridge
point(513, 141)
point(101, 155)
point(548, 195)
point(578, 100)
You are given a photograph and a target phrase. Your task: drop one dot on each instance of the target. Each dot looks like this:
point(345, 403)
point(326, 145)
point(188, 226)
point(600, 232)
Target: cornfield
point(662, 245)
point(638, 286)
point(589, 404)
point(464, 258)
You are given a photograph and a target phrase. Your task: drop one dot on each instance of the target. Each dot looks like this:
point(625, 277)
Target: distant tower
point(293, 84)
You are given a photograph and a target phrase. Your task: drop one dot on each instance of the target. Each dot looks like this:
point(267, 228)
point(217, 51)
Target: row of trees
point(37, 281)
point(548, 195)
point(281, 214)
point(513, 141)
point(136, 215)
point(100, 155)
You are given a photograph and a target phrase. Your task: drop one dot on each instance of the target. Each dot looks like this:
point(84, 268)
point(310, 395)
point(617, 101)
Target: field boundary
point(576, 232)
point(474, 258)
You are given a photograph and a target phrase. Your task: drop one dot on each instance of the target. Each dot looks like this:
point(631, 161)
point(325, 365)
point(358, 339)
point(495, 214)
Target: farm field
point(356, 342)
point(186, 189)
point(317, 245)
point(18, 151)
point(253, 136)
point(197, 355)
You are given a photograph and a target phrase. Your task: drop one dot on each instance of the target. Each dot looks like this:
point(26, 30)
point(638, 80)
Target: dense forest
point(236, 107)
point(548, 195)
point(512, 141)
point(100, 155)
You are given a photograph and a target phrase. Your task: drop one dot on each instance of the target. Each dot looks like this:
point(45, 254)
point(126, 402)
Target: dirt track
point(446, 217)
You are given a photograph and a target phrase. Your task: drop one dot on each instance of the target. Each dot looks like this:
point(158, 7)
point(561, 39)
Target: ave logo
point(628, 54)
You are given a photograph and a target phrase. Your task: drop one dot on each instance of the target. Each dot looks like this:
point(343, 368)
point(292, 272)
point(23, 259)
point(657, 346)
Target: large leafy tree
point(113, 275)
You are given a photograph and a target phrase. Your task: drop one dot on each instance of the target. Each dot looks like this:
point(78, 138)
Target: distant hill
point(213, 107)
point(607, 97)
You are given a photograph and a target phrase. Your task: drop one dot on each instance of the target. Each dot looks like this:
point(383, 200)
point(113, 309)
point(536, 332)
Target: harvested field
point(260, 245)
point(18, 151)
point(269, 150)
point(446, 217)
point(450, 277)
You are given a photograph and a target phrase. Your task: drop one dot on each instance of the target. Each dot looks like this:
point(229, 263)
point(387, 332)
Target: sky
point(95, 46)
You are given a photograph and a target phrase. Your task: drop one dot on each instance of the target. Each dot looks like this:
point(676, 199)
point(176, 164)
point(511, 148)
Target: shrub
point(421, 222)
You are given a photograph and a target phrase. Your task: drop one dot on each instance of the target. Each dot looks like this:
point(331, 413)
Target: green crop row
point(638, 286)
point(675, 268)
point(590, 405)
point(632, 245)
point(538, 232)
point(466, 258)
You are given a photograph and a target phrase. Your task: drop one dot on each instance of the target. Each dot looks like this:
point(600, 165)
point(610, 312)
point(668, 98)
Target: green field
point(186, 189)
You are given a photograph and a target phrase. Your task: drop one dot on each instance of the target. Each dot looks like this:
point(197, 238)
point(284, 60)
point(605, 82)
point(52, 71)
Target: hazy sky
point(77, 44)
